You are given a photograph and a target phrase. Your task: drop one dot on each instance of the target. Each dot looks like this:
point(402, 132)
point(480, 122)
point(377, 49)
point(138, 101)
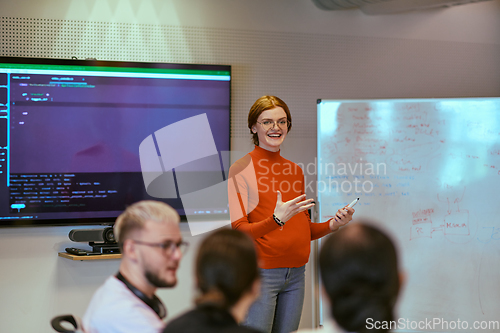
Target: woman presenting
point(267, 201)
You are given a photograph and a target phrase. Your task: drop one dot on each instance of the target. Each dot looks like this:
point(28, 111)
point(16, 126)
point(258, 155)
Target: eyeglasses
point(268, 124)
point(168, 246)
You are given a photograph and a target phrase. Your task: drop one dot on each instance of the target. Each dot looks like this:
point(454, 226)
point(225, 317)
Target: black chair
point(57, 324)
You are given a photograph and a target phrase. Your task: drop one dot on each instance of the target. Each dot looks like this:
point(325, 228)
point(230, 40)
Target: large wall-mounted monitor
point(70, 132)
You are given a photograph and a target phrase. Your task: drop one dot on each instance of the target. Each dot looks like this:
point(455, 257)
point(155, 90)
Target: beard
point(158, 282)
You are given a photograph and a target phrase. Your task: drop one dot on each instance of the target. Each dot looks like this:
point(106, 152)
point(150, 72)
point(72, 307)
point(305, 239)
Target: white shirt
point(115, 309)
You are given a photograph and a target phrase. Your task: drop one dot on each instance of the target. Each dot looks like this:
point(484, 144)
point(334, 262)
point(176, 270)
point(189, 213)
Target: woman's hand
point(286, 210)
point(343, 216)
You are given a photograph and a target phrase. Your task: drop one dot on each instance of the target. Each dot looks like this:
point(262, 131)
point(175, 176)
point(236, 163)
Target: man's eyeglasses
point(268, 124)
point(168, 246)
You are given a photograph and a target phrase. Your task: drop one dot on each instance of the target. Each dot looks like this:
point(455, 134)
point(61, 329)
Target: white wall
point(474, 23)
point(284, 47)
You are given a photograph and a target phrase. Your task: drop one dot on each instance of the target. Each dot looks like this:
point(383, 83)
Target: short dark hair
point(359, 270)
point(226, 268)
point(265, 103)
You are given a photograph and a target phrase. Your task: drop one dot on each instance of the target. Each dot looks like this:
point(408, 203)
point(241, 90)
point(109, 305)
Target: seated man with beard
point(151, 245)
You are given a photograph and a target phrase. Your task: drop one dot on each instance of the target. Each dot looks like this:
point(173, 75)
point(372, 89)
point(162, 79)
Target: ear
point(130, 249)
point(254, 129)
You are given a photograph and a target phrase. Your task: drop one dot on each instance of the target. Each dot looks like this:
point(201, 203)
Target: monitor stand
point(105, 248)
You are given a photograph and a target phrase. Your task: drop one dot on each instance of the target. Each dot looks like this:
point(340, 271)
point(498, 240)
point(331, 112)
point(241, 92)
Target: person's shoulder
point(240, 329)
point(243, 160)
point(113, 290)
point(187, 322)
point(295, 167)
point(207, 320)
point(115, 307)
point(123, 319)
point(286, 160)
point(240, 164)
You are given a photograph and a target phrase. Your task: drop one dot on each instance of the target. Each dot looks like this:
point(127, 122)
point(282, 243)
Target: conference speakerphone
point(102, 241)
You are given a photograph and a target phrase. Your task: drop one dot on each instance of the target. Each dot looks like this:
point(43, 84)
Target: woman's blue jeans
point(279, 307)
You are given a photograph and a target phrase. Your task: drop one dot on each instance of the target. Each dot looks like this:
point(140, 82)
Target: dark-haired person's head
point(227, 274)
point(359, 269)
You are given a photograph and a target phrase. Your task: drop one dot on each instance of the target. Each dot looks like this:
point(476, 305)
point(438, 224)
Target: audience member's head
point(359, 269)
point(227, 274)
point(151, 243)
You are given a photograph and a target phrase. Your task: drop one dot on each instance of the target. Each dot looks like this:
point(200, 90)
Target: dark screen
point(71, 149)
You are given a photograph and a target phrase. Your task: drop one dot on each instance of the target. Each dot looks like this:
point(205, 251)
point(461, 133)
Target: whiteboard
point(428, 170)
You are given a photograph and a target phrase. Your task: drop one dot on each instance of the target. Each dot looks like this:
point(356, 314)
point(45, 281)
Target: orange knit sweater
point(253, 182)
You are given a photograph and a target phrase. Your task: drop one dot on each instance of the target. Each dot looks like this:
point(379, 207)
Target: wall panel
point(299, 67)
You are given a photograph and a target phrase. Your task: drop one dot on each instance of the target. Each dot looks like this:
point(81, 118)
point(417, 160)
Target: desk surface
point(91, 257)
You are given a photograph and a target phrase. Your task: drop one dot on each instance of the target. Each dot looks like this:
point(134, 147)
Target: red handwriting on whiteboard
point(423, 212)
point(419, 168)
point(356, 131)
point(364, 117)
point(363, 139)
point(359, 151)
point(417, 125)
point(361, 125)
point(422, 216)
point(494, 152)
point(405, 139)
point(400, 161)
point(456, 222)
point(456, 225)
point(411, 107)
point(413, 117)
point(422, 224)
point(426, 131)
